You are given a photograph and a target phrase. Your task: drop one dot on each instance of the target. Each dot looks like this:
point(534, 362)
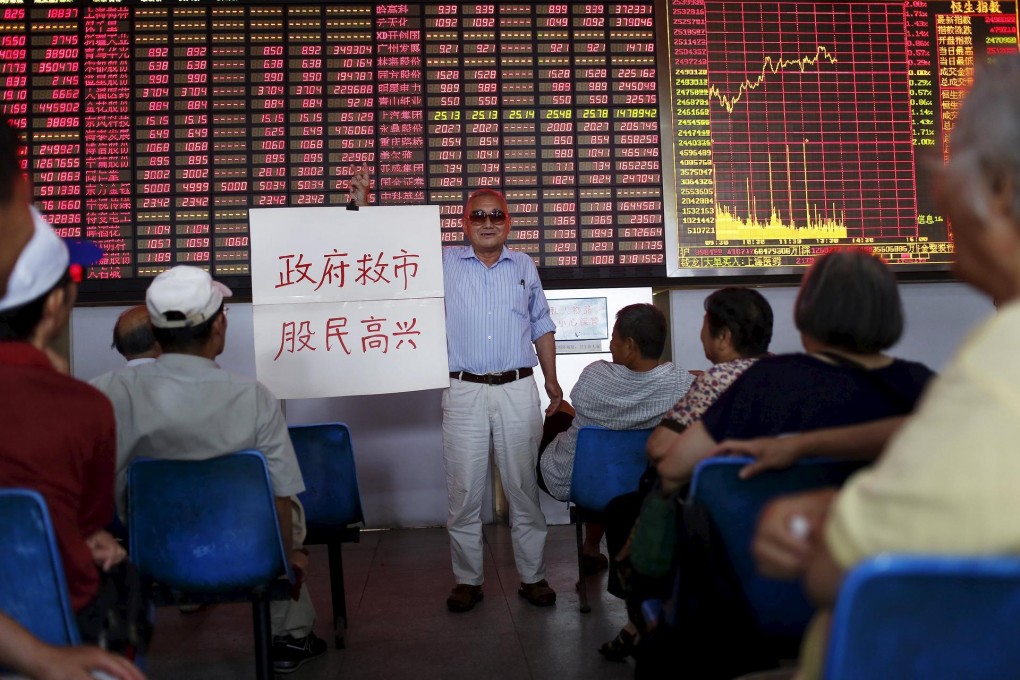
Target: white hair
point(984, 158)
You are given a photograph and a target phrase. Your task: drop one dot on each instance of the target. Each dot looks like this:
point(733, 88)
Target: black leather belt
point(493, 378)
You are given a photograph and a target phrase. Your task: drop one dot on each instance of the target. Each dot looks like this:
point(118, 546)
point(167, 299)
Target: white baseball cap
point(43, 262)
point(189, 291)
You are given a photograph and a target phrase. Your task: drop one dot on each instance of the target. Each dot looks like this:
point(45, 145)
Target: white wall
point(398, 438)
point(938, 316)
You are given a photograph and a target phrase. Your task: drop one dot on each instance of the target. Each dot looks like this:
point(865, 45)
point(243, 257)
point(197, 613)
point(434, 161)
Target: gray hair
point(849, 300)
point(985, 142)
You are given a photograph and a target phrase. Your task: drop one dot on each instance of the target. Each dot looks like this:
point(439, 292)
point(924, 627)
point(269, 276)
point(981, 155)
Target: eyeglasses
point(496, 216)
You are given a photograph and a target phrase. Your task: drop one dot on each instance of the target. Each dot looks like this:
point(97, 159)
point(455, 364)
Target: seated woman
point(735, 333)
point(848, 311)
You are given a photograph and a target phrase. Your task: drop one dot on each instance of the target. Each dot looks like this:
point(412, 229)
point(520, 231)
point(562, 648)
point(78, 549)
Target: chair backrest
point(780, 607)
point(921, 617)
point(326, 458)
point(205, 526)
point(33, 590)
point(607, 464)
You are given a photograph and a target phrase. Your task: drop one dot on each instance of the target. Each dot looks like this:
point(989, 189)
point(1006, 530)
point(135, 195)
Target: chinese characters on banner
point(348, 302)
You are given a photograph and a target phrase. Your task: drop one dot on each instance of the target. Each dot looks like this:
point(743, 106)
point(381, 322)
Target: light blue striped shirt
point(493, 314)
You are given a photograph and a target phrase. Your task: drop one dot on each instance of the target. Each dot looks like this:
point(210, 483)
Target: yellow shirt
point(949, 482)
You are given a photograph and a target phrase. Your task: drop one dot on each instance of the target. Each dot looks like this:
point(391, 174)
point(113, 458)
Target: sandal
point(620, 647)
point(464, 598)
point(593, 564)
point(538, 594)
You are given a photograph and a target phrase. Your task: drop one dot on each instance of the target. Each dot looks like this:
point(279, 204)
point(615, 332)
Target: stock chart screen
point(153, 127)
point(799, 127)
point(633, 139)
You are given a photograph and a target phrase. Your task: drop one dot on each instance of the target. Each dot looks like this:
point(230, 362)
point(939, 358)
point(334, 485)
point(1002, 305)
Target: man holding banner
point(495, 311)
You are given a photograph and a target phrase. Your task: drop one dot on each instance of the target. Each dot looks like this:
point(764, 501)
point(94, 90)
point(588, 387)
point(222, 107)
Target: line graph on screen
point(810, 121)
point(774, 66)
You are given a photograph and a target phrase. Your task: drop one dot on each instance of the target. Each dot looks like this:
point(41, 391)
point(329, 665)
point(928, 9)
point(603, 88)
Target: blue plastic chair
point(207, 531)
point(33, 590)
point(607, 464)
point(915, 617)
point(331, 500)
point(779, 607)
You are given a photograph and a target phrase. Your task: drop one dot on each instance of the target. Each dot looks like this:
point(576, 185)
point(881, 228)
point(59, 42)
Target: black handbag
point(121, 616)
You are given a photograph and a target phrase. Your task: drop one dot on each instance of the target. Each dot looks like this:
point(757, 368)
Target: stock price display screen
point(631, 139)
point(799, 127)
point(153, 127)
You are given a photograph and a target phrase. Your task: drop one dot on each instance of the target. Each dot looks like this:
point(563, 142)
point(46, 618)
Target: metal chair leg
point(338, 592)
point(582, 587)
point(263, 636)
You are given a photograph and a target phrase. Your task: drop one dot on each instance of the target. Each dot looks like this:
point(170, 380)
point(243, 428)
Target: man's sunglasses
point(495, 216)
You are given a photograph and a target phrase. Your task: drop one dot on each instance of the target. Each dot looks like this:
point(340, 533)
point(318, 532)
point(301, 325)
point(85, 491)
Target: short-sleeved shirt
point(947, 482)
point(58, 438)
point(185, 407)
point(706, 389)
point(102, 380)
point(612, 396)
point(493, 314)
point(799, 392)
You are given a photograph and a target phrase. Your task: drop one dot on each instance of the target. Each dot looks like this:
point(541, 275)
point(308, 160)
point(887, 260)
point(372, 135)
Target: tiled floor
point(397, 583)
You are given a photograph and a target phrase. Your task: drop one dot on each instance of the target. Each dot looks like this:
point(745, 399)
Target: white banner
point(335, 254)
point(348, 302)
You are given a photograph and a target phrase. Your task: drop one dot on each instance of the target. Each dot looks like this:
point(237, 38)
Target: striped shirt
point(612, 396)
point(493, 314)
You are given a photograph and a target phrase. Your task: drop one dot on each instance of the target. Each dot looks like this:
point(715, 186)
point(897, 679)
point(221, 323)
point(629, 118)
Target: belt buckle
point(492, 379)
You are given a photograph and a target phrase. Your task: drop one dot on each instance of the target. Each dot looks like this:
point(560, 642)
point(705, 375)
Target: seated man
point(946, 484)
point(735, 333)
point(58, 433)
point(133, 336)
point(185, 407)
point(629, 393)
point(134, 339)
point(19, 650)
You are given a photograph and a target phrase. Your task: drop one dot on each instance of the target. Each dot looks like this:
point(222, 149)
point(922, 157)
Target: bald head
point(132, 334)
